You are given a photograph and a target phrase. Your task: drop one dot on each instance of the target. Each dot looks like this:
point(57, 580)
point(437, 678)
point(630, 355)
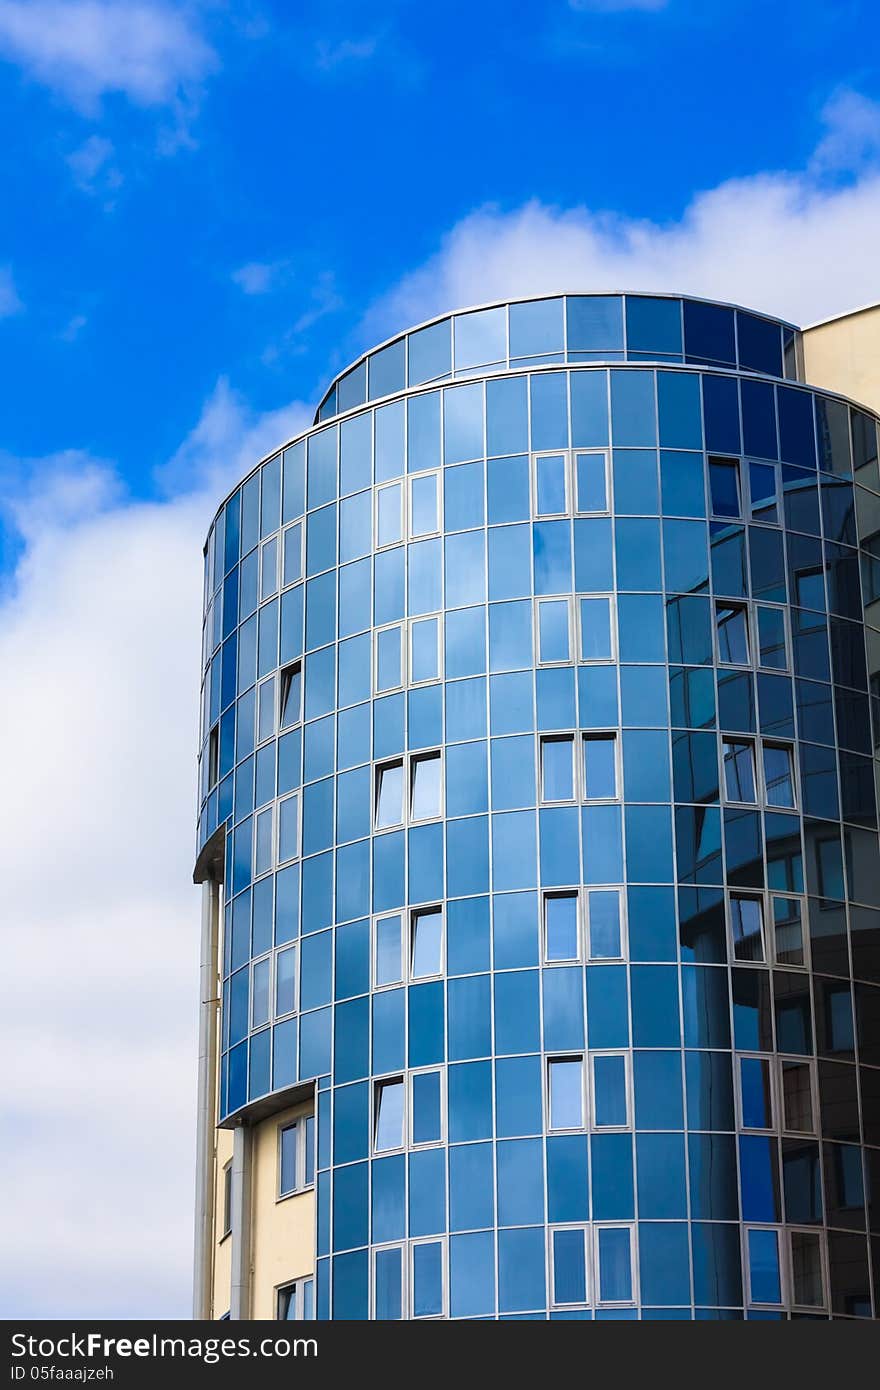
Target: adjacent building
point(538, 829)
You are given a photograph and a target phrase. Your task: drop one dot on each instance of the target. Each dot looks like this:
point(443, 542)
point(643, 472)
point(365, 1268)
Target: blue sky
point(209, 208)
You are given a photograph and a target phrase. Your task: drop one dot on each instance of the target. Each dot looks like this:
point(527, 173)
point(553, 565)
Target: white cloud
point(852, 138)
point(617, 6)
point(796, 244)
point(149, 50)
point(9, 300)
point(72, 329)
point(99, 646)
point(94, 168)
point(329, 56)
point(258, 277)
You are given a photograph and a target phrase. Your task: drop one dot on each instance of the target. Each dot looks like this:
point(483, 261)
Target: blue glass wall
point(538, 711)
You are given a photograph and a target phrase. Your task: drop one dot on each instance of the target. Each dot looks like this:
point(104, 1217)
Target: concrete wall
point(844, 355)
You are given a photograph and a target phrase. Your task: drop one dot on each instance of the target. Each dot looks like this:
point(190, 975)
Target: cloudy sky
point(208, 209)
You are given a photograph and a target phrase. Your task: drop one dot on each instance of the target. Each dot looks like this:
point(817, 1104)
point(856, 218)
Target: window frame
point(411, 534)
point(584, 1228)
point(299, 1287)
point(744, 741)
point(587, 918)
point(730, 461)
point(425, 910)
point(543, 740)
point(759, 607)
point(378, 917)
point(444, 1278)
point(567, 1059)
point(411, 1141)
point(598, 736)
point(381, 1083)
point(376, 1250)
point(407, 762)
point(535, 459)
point(734, 606)
point(627, 1126)
point(286, 949)
point(424, 755)
point(266, 546)
point(300, 1127)
point(768, 1061)
point(632, 1301)
point(610, 598)
point(544, 599)
point(411, 624)
point(785, 1250)
point(401, 628)
point(567, 893)
point(280, 802)
point(226, 1183)
point(300, 578)
point(605, 455)
point(285, 680)
point(400, 484)
point(751, 895)
point(787, 746)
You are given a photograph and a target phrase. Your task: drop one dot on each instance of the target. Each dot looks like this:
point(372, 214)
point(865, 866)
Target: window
point(772, 646)
point(747, 926)
point(424, 504)
point(296, 1302)
point(285, 982)
point(762, 1266)
point(269, 569)
point(762, 490)
point(266, 710)
point(554, 643)
point(797, 1087)
point(261, 972)
point(292, 564)
point(785, 1267)
point(565, 1077)
point(388, 1283)
point(428, 1279)
point(788, 930)
point(389, 795)
point(424, 650)
point(599, 767)
point(597, 642)
point(388, 957)
point(614, 1264)
point(778, 775)
point(739, 770)
point(724, 487)
point(551, 485)
point(291, 695)
point(389, 658)
point(756, 1093)
point(389, 515)
point(296, 1156)
point(426, 1107)
point(425, 795)
point(288, 828)
point(732, 629)
point(557, 769)
point(227, 1198)
point(213, 755)
point(569, 1264)
point(591, 481)
point(807, 1269)
point(610, 1091)
point(264, 823)
point(561, 927)
point(427, 943)
point(604, 923)
point(388, 1115)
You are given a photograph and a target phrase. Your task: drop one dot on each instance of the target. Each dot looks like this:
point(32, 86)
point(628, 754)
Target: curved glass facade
point(538, 716)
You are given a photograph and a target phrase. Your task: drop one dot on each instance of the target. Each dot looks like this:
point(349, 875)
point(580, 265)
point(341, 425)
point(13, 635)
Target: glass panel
point(427, 1280)
point(756, 1094)
point(389, 796)
point(615, 1265)
point(388, 658)
point(596, 629)
point(425, 787)
point(293, 553)
point(388, 515)
point(553, 631)
point(747, 927)
point(424, 510)
point(764, 1282)
point(425, 664)
point(260, 993)
point(788, 931)
point(724, 487)
point(550, 490)
point(291, 695)
point(569, 1267)
point(426, 1107)
point(566, 1094)
point(388, 952)
point(557, 769)
point(600, 768)
point(389, 1284)
point(285, 981)
point(609, 1091)
point(389, 1115)
point(797, 1097)
point(739, 771)
point(308, 1137)
point(733, 635)
point(604, 918)
point(287, 1181)
point(778, 780)
point(427, 944)
point(771, 639)
point(561, 926)
point(806, 1270)
point(592, 488)
point(762, 486)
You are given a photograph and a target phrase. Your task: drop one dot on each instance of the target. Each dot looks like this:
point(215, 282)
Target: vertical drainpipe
point(207, 1093)
point(240, 1293)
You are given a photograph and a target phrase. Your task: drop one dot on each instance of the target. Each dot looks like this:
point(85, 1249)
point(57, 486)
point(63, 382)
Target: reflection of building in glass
point(538, 830)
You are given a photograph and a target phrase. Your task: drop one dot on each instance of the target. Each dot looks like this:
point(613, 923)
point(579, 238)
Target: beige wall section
point(843, 355)
point(282, 1232)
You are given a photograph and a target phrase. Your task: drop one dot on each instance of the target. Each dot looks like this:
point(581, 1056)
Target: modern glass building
point(538, 829)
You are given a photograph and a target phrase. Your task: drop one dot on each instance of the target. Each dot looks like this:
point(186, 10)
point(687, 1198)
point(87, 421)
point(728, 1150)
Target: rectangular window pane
point(600, 768)
point(389, 1284)
point(553, 640)
point(285, 981)
point(389, 795)
point(425, 787)
point(557, 769)
point(739, 771)
point(426, 1121)
point(308, 1137)
point(561, 926)
point(762, 486)
point(427, 943)
point(764, 1282)
point(424, 518)
point(308, 1296)
point(806, 1270)
point(595, 629)
point(569, 1267)
point(733, 635)
point(550, 485)
point(424, 651)
point(427, 1280)
point(747, 927)
point(603, 907)
point(388, 515)
point(755, 1093)
point(592, 487)
point(615, 1265)
point(778, 779)
point(260, 993)
point(389, 673)
point(388, 952)
point(269, 569)
point(263, 842)
point(293, 553)
point(566, 1093)
point(291, 695)
point(788, 931)
point(724, 487)
point(389, 1115)
point(609, 1092)
point(287, 1182)
point(797, 1097)
point(288, 828)
point(266, 710)
point(771, 639)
